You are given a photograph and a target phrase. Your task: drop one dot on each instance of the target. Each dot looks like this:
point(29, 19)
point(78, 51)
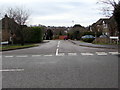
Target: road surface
point(60, 64)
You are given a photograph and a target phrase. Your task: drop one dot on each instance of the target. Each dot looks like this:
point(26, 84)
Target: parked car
point(88, 38)
point(66, 38)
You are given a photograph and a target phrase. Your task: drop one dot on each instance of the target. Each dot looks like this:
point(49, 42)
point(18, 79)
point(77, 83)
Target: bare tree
point(112, 8)
point(109, 6)
point(20, 16)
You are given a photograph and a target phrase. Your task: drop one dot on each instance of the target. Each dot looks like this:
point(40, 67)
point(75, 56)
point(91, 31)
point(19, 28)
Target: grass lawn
point(107, 43)
point(10, 47)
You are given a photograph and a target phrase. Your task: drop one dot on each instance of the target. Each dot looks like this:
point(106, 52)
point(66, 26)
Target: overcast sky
point(58, 12)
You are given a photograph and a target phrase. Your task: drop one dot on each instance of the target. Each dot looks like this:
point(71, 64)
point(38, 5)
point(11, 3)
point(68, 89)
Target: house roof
point(100, 21)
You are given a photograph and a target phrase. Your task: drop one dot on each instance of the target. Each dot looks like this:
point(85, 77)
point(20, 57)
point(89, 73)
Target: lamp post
point(73, 22)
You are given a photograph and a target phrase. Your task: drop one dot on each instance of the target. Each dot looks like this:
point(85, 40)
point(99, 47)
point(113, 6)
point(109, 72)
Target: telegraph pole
point(73, 22)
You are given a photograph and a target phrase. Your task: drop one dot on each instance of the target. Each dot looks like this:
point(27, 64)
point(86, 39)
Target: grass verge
point(105, 43)
point(13, 47)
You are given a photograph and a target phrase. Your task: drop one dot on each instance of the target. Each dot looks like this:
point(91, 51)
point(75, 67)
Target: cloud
point(58, 12)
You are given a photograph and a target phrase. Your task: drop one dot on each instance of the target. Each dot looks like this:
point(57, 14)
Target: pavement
point(94, 45)
point(60, 64)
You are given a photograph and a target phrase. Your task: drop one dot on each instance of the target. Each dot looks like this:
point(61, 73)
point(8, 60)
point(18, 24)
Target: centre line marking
point(57, 48)
point(57, 52)
point(11, 70)
point(58, 44)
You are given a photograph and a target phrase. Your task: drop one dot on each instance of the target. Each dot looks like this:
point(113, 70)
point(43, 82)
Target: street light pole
point(73, 22)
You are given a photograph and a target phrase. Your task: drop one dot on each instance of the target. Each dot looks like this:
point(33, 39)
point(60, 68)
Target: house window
point(107, 33)
point(105, 25)
point(91, 29)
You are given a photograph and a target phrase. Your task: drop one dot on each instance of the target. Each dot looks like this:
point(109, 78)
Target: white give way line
point(57, 50)
point(11, 70)
point(67, 54)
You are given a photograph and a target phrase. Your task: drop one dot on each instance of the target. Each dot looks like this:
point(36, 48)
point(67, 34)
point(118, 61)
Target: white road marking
point(57, 48)
point(72, 54)
point(36, 55)
point(101, 53)
point(57, 52)
point(48, 55)
point(23, 56)
point(87, 54)
point(8, 56)
point(58, 44)
point(11, 70)
point(114, 53)
point(61, 54)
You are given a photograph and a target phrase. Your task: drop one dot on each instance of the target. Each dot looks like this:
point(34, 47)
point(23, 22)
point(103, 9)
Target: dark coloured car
point(88, 38)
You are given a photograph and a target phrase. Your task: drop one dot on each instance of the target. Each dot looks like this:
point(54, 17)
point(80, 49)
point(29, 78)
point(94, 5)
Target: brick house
point(101, 26)
point(107, 26)
point(9, 29)
point(58, 30)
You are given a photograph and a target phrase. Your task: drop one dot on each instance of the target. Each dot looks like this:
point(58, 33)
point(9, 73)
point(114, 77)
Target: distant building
point(59, 30)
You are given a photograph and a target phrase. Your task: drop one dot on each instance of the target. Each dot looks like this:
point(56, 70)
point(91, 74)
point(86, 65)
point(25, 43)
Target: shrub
point(101, 40)
point(56, 37)
point(89, 40)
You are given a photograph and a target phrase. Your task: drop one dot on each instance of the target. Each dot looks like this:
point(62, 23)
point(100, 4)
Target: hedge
point(33, 34)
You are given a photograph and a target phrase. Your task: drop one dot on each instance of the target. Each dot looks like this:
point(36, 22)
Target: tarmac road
point(60, 64)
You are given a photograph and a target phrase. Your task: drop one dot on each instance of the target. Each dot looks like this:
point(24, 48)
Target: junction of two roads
point(60, 64)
